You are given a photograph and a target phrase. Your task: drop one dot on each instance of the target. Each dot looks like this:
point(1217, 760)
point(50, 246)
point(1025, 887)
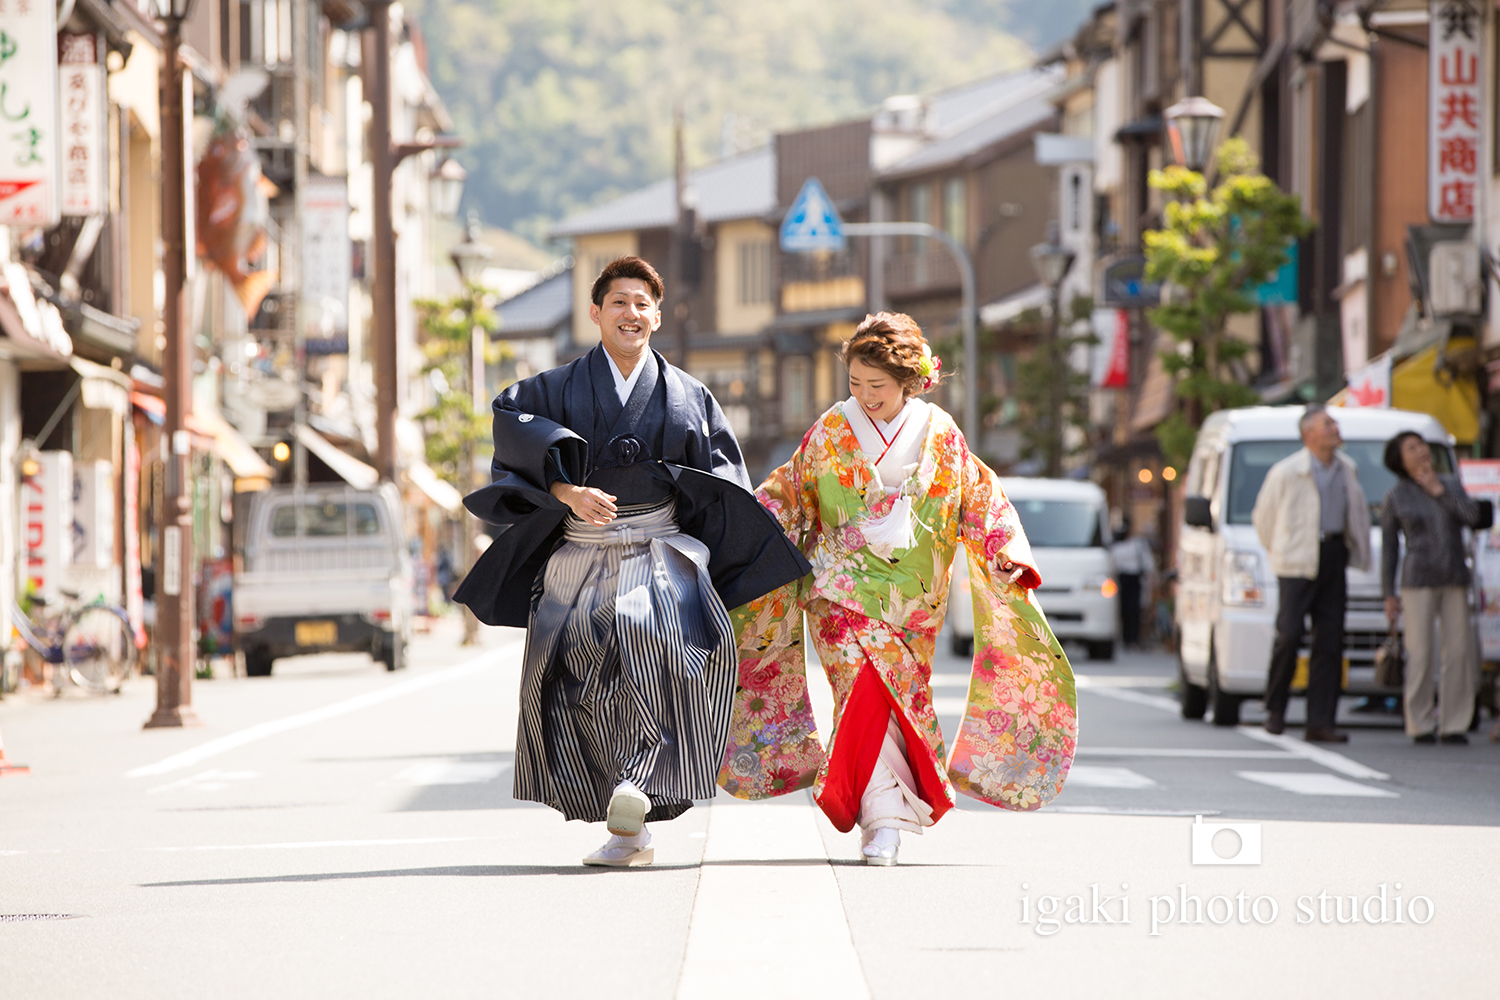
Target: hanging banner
point(28, 113)
point(1481, 479)
point(327, 259)
point(47, 522)
point(1453, 110)
point(1111, 369)
point(1370, 384)
point(80, 90)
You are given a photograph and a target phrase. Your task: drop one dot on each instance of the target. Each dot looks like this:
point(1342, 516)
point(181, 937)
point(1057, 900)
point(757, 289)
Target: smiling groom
point(625, 530)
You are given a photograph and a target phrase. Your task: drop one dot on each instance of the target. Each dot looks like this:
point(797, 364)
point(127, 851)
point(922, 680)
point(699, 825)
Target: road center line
point(264, 730)
point(784, 923)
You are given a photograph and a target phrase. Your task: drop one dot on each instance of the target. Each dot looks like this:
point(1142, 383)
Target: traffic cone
point(6, 768)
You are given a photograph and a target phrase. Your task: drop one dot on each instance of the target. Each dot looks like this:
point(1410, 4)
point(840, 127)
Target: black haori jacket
point(669, 438)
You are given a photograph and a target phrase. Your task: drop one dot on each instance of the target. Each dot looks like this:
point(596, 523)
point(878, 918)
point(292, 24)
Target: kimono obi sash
point(630, 527)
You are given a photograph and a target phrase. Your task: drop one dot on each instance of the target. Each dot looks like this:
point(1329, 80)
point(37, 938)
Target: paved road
point(339, 831)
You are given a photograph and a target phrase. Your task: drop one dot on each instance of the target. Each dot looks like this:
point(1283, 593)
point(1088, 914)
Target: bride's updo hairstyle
point(893, 342)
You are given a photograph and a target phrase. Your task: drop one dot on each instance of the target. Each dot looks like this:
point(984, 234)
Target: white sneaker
point(882, 846)
point(628, 807)
point(623, 852)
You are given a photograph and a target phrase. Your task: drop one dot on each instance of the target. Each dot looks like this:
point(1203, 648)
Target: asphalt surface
point(335, 830)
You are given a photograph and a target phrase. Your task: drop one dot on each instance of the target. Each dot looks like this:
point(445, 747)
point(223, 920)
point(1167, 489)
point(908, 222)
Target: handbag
point(1390, 661)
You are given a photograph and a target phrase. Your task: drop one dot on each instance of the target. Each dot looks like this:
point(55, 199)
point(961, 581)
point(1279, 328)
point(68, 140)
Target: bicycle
point(94, 642)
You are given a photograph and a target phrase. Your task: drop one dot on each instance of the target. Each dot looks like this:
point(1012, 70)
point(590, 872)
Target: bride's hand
point(1012, 571)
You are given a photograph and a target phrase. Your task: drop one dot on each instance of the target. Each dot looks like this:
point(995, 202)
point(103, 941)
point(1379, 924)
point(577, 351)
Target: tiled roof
point(740, 187)
point(980, 115)
point(539, 309)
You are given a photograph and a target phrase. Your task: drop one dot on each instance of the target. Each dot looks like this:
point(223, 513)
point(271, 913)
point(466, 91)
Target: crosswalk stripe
point(1318, 755)
point(769, 903)
point(1307, 783)
point(1103, 776)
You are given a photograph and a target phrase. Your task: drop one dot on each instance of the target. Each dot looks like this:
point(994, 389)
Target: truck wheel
point(1192, 700)
point(962, 645)
point(1226, 706)
point(258, 661)
point(1103, 649)
point(393, 652)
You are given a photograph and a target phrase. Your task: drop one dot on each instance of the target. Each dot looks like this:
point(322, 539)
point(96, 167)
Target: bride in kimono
point(879, 497)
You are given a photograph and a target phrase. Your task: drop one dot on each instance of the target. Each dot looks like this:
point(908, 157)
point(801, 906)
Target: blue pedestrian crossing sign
point(813, 223)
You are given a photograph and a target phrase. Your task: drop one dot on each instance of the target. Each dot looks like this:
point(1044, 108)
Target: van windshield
point(1059, 524)
point(1251, 461)
point(324, 520)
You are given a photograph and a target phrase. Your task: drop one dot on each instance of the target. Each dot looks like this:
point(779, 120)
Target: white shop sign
point(28, 113)
point(80, 93)
point(1453, 110)
point(47, 522)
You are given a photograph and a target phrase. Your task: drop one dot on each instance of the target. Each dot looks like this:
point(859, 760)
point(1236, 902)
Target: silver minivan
point(1226, 595)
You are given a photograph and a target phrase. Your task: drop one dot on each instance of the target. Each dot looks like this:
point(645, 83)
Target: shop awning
point(1003, 311)
point(440, 492)
point(1423, 384)
point(251, 472)
point(103, 388)
point(350, 469)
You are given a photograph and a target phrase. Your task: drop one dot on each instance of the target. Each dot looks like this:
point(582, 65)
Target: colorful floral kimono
point(875, 618)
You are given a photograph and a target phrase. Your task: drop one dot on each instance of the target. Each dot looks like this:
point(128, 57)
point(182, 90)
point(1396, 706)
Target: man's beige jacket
point(1289, 510)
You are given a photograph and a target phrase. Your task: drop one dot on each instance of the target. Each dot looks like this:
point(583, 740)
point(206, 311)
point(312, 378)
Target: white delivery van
point(1226, 595)
point(1067, 524)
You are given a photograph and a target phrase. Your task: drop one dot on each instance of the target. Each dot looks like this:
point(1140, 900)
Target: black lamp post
point(1052, 261)
point(1193, 126)
point(174, 581)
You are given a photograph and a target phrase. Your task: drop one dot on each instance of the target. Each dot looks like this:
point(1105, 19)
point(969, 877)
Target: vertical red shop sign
point(1453, 110)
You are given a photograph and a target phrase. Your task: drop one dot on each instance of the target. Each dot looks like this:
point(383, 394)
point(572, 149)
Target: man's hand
point(1429, 481)
point(587, 503)
point(1393, 608)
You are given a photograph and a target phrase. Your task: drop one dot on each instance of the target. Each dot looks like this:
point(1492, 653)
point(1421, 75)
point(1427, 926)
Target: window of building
point(921, 202)
point(796, 395)
point(955, 208)
point(755, 272)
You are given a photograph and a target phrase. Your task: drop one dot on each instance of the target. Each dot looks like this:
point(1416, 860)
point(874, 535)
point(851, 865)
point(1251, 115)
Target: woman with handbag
point(1431, 511)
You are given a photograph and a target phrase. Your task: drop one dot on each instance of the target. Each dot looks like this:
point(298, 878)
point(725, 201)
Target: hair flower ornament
point(929, 366)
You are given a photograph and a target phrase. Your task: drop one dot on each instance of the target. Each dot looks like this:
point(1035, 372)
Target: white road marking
point(275, 727)
point(1318, 755)
point(1306, 783)
point(1109, 811)
point(784, 923)
point(1157, 701)
point(451, 772)
point(212, 780)
point(1120, 681)
point(1099, 776)
point(1185, 752)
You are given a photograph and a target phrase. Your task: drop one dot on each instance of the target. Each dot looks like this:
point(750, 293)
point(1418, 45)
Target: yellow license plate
point(1299, 678)
point(317, 633)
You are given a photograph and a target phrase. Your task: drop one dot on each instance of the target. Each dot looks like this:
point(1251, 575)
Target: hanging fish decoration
point(233, 209)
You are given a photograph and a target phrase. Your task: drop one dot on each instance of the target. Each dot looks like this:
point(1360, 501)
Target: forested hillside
point(564, 103)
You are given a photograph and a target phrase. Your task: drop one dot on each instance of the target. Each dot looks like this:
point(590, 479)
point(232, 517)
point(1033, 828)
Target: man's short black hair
point(627, 267)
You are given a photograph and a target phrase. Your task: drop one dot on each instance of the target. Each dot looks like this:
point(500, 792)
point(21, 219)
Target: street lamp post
point(470, 258)
point(1052, 261)
point(1193, 126)
point(174, 583)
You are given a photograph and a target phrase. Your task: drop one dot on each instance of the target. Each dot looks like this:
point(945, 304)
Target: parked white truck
point(326, 569)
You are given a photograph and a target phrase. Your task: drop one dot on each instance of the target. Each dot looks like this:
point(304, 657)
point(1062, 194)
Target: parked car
point(1226, 596)
point(326, 570)
point(1067, 524)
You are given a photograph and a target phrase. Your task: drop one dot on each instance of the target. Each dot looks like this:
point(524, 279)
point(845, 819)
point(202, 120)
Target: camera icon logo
point(1225, 843)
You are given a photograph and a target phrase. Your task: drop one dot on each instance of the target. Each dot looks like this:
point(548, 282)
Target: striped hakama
point(629, 671)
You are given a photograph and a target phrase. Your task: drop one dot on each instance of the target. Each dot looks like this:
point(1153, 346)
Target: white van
point(1067, 524)
point(1226, 595)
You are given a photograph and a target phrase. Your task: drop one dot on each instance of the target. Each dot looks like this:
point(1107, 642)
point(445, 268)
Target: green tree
point(1047, 383)
point(1215, 249)
point(452, 423)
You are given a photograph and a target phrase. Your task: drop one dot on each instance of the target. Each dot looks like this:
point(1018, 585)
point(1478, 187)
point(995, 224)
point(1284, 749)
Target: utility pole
point(176, 657)
point(678, 247)
point(377, 84)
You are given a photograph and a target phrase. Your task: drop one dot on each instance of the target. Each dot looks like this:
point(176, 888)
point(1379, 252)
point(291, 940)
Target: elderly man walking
point(1312, 518)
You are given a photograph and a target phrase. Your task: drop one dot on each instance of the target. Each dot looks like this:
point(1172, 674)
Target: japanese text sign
point(1453, 112)
point(28, 113)
point(80, 91)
